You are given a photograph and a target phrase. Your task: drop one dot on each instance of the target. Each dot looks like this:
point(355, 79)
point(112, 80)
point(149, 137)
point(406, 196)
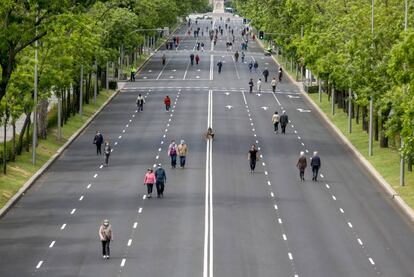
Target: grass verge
point(385, 160)
point(20, 171)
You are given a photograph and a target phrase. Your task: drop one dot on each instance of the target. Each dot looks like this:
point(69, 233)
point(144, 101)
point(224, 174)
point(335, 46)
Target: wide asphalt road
point(217, 218)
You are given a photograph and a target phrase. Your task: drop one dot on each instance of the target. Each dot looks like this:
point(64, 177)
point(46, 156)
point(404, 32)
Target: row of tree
point(76, 40)
point(342, 44)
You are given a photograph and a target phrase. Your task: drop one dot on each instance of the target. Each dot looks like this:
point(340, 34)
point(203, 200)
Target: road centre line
point(39, 264)
point(52, 244)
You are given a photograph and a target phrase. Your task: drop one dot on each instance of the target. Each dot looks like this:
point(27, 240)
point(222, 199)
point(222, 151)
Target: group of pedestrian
point(180, 151)
point(315, 163)
point(282, 119)
point(159, 178)
point(98, 140)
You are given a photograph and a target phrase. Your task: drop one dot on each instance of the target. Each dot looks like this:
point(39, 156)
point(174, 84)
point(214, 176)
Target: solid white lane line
point(52, 244)
point(73, 211)
point(135, 225)
point(39, 264)
point(237, 71)
point(81, 198)
point(140, 210)
point(211, 66)
point(96, 175)
point(63, 226)
point(129, 242)
point(123, 262)
point(277, 100)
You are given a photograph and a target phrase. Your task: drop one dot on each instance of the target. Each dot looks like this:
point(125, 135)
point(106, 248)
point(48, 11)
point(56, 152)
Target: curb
point(20, 193)
point(402, 205)
point(52, 159)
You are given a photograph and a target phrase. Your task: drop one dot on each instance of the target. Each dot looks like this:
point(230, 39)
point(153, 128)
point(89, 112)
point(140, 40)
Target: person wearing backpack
point(161, 179)
point(167, 102)
point(172, 152)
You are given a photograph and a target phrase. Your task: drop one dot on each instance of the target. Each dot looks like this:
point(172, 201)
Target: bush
point(113, 85)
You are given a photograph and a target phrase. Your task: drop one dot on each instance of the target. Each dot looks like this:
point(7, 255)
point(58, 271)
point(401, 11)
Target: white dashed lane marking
point(81, 198)
point(89, 186)
point(123, 262)
point(73, 211)
point(63, 226)
point(52, 244)
point(39, 264)
point(140, 210)
point(135, 225)
point(129, 242)
point(96, 175)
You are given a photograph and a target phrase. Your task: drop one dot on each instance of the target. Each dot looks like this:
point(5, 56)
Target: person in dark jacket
point(160, 180)
point(256, 66)
point(219, 65)
point(284, 120)
point(251, 84)
point(301, 165)
point(252, 156)
point(192, 59)
point(98, 140)
point(316, 165)
point(266, 74)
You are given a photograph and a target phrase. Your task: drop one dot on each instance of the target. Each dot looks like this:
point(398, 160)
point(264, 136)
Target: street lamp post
point(402, 158)
point(34, 143)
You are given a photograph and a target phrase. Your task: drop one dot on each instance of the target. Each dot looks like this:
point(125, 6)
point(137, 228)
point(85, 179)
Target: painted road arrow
point(265, 108)
point(293, 96)
point(303, 111)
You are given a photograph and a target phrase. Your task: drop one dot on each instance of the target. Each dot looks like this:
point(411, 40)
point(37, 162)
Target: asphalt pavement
point(217, 218)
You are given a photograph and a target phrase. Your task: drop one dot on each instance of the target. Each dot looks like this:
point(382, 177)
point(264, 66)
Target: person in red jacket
point(167, 102)
point(197, 59)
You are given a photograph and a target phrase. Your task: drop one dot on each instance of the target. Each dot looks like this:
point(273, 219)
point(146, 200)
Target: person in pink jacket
point(149, 181)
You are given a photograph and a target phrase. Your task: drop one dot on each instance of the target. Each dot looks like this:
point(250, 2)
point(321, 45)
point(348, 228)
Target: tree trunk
point(357, 114)
point(5, 146)
point(410, 163)
point(22, 133)
point(376, 127)
point(13, 153)
point(27, 144)
point(364, 119)
point(42, 119)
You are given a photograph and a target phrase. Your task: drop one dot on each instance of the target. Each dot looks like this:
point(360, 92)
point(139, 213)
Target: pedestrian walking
point(316, 165)
point(167, 102)
point(140, 103)
point(182, 150)
point(133, 71)
point(105, 235)
point(192, 59)
point(266, 74)
point(236, 56)
point(219, 65)
point(250, 66)
point(243, 56)
point(275, 121)
point(98, 140)
point(197, 59)
point(259, 85)
point(280, 74)
point(252, 156)
point(172, 152)
point(161, 179)
point(256, 66)
point(107, 152)
point(251, 85)
point(284, 120)
point(202, 47)
point(301, 165)
point(149, 181)
point(273, 84)
point(164, 58)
